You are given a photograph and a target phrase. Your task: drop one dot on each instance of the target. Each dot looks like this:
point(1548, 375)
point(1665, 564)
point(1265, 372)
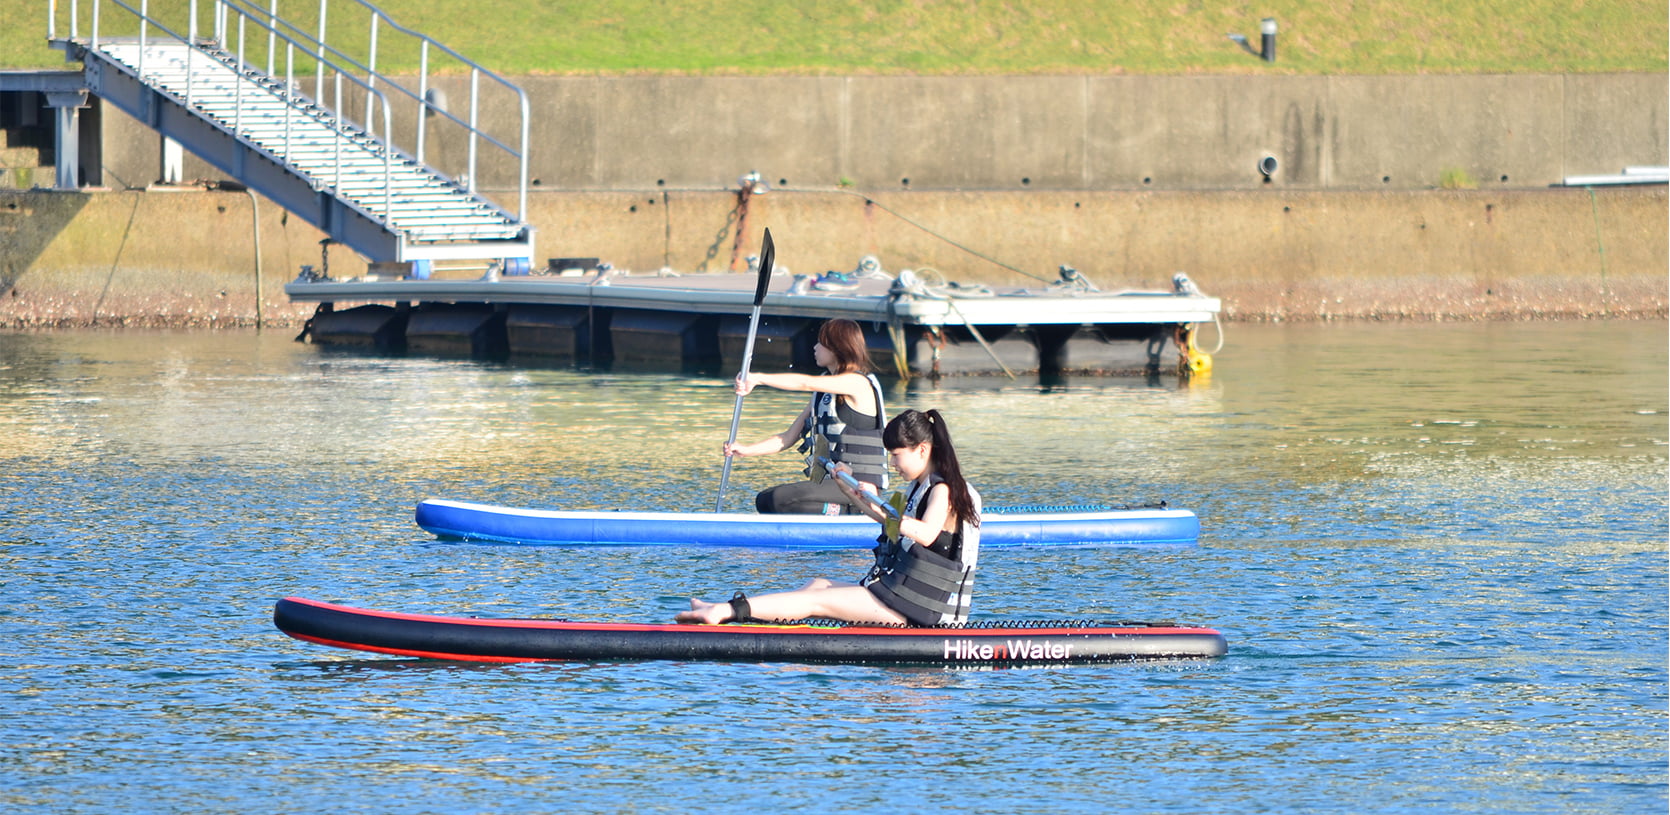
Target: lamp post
point(1269, 44)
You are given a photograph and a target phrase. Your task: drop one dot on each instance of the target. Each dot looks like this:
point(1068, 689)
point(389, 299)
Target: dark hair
point(912, 427)
point(845, 340)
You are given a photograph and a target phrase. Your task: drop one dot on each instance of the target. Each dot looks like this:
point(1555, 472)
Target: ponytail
point(912, 427)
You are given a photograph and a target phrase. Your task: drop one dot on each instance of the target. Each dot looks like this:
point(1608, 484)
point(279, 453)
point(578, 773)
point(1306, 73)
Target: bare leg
point(837, 601)
point(848, 602)
point(702, 611)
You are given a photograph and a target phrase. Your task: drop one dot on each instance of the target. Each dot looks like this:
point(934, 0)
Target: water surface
point(1438, 553)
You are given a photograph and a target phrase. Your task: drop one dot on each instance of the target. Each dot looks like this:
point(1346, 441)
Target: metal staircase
point(306, 152)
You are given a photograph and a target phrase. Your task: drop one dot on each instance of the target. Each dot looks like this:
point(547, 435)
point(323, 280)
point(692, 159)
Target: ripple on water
point(1443, 584)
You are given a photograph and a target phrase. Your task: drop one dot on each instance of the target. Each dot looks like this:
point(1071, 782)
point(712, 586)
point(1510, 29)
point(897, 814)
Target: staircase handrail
point(421, 95)
point(287, 96)
point(341, 65)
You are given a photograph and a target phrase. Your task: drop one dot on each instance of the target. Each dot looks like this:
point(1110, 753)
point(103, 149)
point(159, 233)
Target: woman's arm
point(773, 444)
point(855, 387)
point(925, 531)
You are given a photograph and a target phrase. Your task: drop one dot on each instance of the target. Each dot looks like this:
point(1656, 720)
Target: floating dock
point(601, 317)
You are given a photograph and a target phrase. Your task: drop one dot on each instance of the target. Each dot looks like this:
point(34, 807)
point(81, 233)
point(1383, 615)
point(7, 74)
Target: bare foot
point(704, 613)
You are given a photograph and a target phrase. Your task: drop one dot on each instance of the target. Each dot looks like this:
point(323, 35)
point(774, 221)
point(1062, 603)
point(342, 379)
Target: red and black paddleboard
point(994, 644)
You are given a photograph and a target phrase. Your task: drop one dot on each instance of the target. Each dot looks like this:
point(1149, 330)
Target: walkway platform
point(700, 321)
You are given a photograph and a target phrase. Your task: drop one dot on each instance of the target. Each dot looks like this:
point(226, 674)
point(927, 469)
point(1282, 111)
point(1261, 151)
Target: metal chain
point(719, 239)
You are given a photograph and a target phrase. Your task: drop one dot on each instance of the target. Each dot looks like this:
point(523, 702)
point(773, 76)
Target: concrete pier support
point(557, 333)
point(457, 329)
point(664, 339)
point(67, 105)
point(173, 162)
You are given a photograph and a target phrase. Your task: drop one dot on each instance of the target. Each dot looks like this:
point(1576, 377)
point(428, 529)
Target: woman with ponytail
point(938, 538)
point(925, 559)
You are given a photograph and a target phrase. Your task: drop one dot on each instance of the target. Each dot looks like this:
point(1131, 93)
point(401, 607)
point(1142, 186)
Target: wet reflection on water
point(1437, 552)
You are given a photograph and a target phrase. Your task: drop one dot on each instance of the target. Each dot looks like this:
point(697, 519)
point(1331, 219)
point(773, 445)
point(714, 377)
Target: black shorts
point(804, 498)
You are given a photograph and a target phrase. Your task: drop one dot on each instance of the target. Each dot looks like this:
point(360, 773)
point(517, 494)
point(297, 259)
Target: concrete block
point(557, 332)
point(1404, 132)
point(1206, 132)
point(780, 343)
point(372, 326)
point(660, 339)
point(1613, 121)
point(462, 329)
point(679, 133)
point(937, 133)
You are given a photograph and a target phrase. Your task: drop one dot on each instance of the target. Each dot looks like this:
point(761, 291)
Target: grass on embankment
point(932, 37)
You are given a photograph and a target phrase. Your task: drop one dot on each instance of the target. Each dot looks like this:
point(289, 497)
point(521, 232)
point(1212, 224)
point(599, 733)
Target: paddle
point(767, 254)
point(852, 483)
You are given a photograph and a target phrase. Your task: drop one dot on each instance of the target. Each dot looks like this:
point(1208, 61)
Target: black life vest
point(854, 438)
point(928, 585)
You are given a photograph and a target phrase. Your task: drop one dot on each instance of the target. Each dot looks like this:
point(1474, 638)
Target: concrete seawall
point(189, 257)
point(1128, 179)
point(1058, 133)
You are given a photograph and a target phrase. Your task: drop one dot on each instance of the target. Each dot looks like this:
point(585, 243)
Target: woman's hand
point(770, 444)
point(744, 384)
point(841, 467)
point(835, 470)
point(852, 494)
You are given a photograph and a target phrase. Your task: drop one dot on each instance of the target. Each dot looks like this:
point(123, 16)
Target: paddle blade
point(895, 508)
point(768, 254)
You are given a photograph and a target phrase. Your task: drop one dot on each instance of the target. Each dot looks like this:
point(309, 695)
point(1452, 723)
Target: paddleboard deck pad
point(999, 527)
point(982, 645)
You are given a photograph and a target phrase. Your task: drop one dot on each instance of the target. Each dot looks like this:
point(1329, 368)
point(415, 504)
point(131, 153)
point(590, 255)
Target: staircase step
point(358, 184)
point(328, 150)
point(463, 237)
point(400, 205)
point(411, 180)
point(462, 217)
point(356, 159)
point(459, 222)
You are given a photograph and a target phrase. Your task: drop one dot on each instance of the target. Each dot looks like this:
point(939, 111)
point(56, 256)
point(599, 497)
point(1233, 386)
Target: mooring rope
point(994, 261)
